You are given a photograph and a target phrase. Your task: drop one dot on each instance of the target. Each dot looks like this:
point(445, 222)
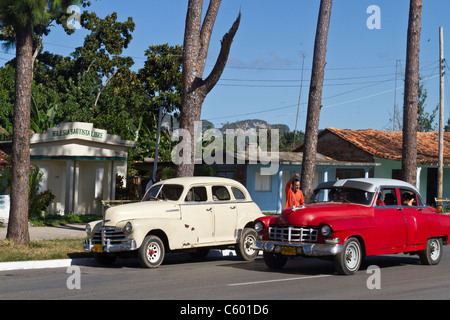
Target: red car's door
point(391, 225)
point(416, 217)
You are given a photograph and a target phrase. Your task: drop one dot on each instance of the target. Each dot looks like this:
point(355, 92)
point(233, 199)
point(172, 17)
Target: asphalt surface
point(70, 231)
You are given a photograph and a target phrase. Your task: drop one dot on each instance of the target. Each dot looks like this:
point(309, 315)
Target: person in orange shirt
point(294, 196)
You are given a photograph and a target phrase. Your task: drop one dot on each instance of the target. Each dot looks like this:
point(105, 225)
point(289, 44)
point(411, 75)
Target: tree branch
point(206, 31)
point(192, 40)
point(222, 59)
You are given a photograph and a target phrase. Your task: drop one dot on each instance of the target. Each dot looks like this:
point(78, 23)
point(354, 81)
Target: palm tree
point(410, 104)
point(315, 99)
point(22, 16)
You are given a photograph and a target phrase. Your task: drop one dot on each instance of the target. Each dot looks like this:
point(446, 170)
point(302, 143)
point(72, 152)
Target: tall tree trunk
point(195, 52)
point(315, 99)
point(409, 152)
point(18, 216)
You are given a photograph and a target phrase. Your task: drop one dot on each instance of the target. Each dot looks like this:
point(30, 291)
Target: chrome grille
point(115, 235)
point(294, 234)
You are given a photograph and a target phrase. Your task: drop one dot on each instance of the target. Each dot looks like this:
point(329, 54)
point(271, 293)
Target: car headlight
point(259, 226)
point(88, 228)
point(325, 230)
point(128, 228)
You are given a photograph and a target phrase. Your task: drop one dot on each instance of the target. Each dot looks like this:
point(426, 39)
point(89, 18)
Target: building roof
point(294, 158)
point(388, 144)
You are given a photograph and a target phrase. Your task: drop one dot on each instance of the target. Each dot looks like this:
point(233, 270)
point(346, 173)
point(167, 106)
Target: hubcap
point(153, 252)
point(434, 249)
point(249, 241)
point(352, 256)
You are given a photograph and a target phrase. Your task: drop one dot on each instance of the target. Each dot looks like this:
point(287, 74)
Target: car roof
point(366, 184)
point(202, 180)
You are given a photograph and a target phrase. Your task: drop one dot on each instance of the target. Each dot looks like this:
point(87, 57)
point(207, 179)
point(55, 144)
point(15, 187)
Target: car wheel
point(274, 260)
point(244, 249)
point(433, 253)
point(349, 260)
point(151, 252)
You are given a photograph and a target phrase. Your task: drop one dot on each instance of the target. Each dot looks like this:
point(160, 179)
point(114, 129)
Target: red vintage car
point(349, 219)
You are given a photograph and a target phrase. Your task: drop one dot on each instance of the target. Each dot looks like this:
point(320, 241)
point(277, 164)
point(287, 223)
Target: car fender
point(248, 214)
point(363, 227)
point(174, 230)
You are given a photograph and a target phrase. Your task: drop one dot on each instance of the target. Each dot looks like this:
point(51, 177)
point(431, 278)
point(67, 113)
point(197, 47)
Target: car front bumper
point(108, 247)
point(301, 248)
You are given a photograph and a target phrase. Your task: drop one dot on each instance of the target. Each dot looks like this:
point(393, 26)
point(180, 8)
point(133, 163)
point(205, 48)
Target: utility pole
point(394, 118)
point(299, 98)
point(441, 115)
point(158, 138)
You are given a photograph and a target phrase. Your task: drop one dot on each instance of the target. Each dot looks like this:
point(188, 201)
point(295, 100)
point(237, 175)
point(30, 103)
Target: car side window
point(387, 197)
point(196, 194)
point(238, 194)
point(408, 198)
point(220, 193)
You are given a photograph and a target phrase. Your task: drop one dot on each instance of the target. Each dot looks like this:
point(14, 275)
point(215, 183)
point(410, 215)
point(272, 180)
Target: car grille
point(293, 234)
point(115, 235)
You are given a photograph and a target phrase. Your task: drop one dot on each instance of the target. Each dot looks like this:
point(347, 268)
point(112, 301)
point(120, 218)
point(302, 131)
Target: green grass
point(57, 220)
point(47, 249)
point(42, 250)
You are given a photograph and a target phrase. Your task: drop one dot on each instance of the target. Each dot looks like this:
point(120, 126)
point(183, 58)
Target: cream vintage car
point(193, 214)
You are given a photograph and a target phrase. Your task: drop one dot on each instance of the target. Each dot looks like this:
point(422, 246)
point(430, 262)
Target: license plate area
point(288, 251)
point(98, 248)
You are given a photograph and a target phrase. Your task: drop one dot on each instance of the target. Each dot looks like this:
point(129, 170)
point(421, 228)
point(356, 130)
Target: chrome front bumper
point(302, 249)
point(125, 245)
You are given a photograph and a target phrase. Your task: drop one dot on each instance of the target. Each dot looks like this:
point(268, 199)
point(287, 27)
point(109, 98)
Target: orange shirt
point(293, 199)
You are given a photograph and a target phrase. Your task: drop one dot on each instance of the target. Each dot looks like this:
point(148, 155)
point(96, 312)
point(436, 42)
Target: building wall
point(54, 179)
point(91, 181)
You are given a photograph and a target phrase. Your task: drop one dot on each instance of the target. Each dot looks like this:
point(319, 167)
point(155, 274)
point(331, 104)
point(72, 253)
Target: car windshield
point(345, 195)
point(164, 192)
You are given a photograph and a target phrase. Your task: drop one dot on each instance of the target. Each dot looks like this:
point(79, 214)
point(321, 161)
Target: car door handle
point(233, 207)
point(209, 209)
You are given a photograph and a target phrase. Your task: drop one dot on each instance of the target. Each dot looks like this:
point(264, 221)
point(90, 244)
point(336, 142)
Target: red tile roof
point(388, 144)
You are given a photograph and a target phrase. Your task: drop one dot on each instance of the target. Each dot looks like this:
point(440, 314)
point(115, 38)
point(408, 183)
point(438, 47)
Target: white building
point(79, 163)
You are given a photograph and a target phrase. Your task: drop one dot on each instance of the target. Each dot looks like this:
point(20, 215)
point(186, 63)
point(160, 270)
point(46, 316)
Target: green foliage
point(95, 83)
point(37, 202)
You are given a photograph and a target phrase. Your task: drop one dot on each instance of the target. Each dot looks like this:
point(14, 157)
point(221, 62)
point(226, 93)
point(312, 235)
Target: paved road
point(401, 277)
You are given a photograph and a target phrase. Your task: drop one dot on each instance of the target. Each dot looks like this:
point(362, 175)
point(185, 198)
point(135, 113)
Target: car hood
point(314, 214)
point(142, 210)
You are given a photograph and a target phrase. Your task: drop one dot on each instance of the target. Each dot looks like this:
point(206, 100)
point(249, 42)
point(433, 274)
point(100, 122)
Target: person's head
point(296, 185)
point(158, 175)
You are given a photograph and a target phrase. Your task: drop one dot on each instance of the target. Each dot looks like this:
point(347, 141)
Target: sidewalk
point(70, 231)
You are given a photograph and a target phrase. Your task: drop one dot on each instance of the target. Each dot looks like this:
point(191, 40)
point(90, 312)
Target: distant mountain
point(253, 124)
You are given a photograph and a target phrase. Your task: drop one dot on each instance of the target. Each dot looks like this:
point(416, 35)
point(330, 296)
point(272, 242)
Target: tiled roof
point(388, 144)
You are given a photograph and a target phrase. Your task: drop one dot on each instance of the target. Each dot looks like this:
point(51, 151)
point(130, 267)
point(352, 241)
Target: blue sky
point(262, 78)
